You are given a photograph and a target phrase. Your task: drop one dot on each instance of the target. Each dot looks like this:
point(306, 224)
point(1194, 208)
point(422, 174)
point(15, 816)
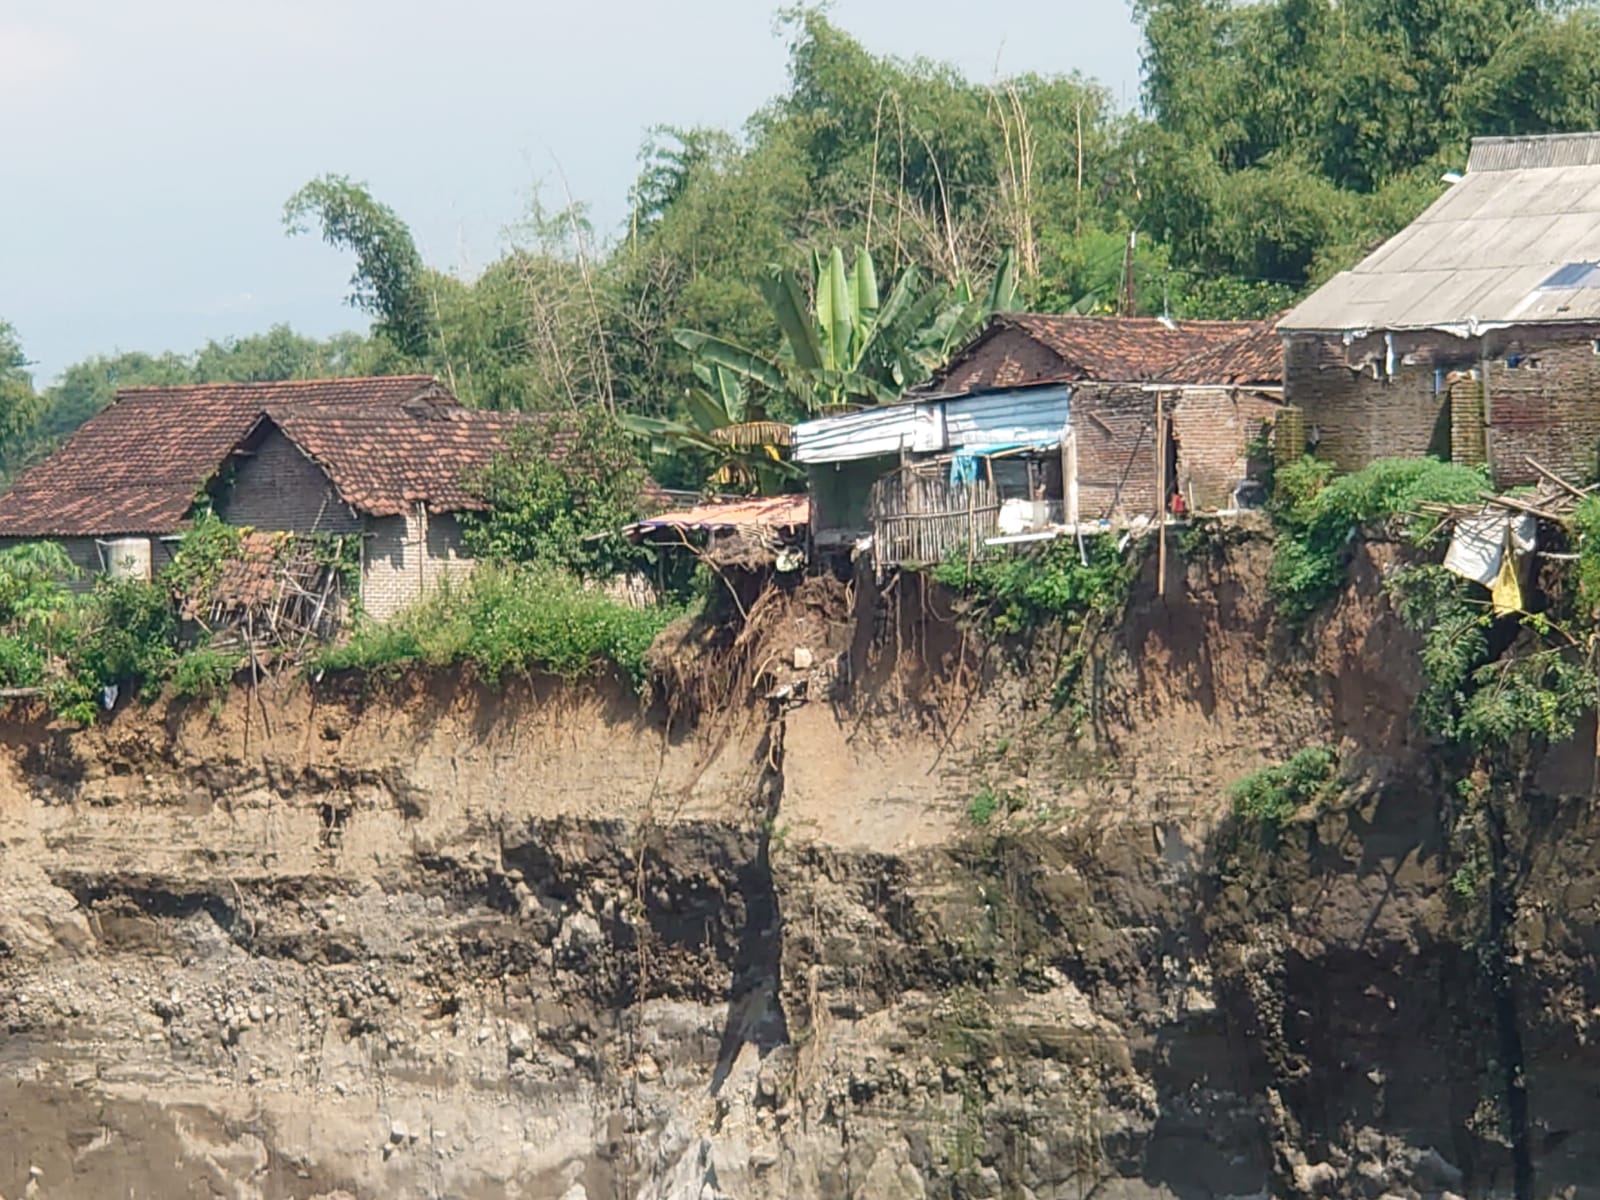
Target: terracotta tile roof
point(1256, 358)
point(385, 460)
point(774, 512)
point(137, 466)
point(1105, 349)
point(1126, 349)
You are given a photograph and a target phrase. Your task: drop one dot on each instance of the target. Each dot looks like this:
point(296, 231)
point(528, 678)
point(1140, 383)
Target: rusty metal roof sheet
point(772, 512)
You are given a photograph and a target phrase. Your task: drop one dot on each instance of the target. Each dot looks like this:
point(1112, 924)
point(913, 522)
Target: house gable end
point(1003, 356)
point(276, 486)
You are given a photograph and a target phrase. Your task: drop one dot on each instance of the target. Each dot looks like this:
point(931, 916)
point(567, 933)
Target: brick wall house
point(118, 493)
point(1415, 393)
point(1210, 433)
point(1472, 333)
point(381, 459)
point(395, 476)
point(1091, 389)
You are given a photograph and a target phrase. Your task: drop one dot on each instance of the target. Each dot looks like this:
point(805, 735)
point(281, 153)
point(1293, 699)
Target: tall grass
point(505, 619)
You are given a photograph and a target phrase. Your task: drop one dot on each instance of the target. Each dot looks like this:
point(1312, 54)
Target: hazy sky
point(149, 147)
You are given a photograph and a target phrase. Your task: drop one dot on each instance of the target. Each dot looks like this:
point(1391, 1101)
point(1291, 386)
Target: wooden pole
point(972, 532)
point(1161, 498)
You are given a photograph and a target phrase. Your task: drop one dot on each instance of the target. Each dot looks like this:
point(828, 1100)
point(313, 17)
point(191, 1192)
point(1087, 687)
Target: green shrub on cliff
point(35, 611)
point(1017, 592)
point(1272, 795)
point(1586, 524)
point(505, 619)
point(123, 634)
point(1318, 515)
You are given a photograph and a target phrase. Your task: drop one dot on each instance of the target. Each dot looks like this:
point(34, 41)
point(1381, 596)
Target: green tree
point(1288, 135)
point(18, 404)
point(558, 495)
point(281, 354)
point(388, 281)
point(728, 436)
point(842, 345)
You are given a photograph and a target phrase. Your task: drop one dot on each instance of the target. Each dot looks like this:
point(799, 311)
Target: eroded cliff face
point(421, 939)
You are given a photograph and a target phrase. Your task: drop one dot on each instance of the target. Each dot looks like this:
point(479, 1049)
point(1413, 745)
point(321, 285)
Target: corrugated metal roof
point(1534, 150)
point(1037, 414)
point(1478, 255)
point(886, 429)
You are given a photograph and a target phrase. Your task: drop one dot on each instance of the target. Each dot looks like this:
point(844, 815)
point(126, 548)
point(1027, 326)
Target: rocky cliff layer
point(423, 939)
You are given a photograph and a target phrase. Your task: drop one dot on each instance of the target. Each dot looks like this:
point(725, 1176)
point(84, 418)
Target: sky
point(149, 147)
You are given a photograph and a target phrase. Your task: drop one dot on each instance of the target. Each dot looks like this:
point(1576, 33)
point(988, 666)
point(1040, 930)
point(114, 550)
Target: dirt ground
point(424, 937)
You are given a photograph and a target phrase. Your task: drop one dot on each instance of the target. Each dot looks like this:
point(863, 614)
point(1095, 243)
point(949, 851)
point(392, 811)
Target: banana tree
point(741, 448)
point(846, 348)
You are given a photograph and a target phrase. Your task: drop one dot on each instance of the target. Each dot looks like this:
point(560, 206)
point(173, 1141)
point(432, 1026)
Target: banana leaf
point(1003, 292)
point(786, 298)
point(743, 363)
point(838, 325)
point(864, 294)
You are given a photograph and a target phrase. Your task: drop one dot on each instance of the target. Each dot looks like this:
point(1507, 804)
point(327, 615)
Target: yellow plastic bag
point(1506, 592)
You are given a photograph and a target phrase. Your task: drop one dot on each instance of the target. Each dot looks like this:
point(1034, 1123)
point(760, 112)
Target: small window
point(1573, 275)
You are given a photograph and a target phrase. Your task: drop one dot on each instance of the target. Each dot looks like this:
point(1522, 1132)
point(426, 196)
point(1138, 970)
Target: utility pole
point(1127, 304)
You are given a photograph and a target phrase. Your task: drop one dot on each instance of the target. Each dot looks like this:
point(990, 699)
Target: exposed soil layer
point(423, 938)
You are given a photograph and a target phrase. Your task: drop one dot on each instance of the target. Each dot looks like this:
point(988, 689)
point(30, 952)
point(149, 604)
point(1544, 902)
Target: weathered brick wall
point(1355, 413)
point(278, 487)
point(1547, 407)
point(407, 556)
point(1213, 428)
point(1007, 358)
point(1115, 429)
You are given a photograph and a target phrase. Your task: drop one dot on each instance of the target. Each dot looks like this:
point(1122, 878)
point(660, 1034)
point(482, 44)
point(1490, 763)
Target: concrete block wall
point(406, 557)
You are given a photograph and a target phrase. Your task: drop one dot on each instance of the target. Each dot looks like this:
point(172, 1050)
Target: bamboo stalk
point(1554, 478)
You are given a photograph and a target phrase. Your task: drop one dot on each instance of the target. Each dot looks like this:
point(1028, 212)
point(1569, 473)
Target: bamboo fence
point(920, 518)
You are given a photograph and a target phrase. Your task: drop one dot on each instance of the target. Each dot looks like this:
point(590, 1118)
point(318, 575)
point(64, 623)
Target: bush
point(510, 618)
point(1272, 795)
point(197, 564)
point(1318, 516)
point(126, 634)
point(1537, 696)
point(1437, 604)
point(983, 806)
point(1018, 592)
point(203, 674)
point(558, 495)
point(22, 662)
point(1586, 524)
